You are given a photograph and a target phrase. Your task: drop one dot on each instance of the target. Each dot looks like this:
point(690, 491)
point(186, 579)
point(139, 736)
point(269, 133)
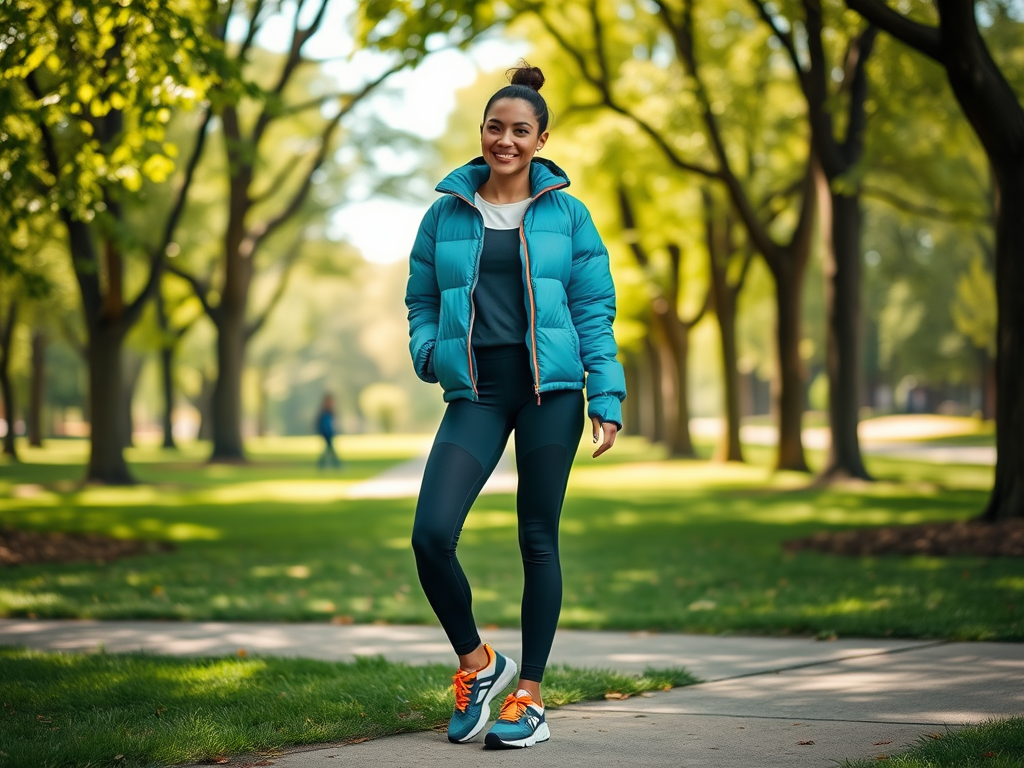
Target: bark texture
point(37, 390)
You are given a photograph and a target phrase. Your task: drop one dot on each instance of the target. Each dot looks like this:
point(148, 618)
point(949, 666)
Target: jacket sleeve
point(423, 298)
point(591, 295)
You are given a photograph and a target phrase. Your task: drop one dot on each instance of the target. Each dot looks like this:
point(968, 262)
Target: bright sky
point(384, 228)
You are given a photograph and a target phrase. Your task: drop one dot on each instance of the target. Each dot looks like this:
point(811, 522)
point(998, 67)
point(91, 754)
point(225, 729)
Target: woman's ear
point(542, 140)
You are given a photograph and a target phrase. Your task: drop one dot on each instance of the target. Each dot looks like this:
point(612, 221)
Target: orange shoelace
point(514, 706)
point(462, 682)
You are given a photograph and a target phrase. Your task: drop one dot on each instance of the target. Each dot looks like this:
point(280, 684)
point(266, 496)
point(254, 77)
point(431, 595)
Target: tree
point(90, 87)
point(725, 291)
point(995, 112)
point(724, 151)
point(267, 190)
point(839, 157)
point(673, 330)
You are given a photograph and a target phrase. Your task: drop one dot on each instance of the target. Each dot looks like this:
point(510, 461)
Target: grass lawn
point(646, 543)
point(996, 744)
point(79, 710)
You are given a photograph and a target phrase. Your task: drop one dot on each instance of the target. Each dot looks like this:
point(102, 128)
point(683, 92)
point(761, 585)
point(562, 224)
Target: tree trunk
point(205, 407)
point(656, 429)
point(730, 448)
point(227, 392)
point(668, 387)
point(261, 400)
point(6, 341)
point(842, 299)
point(167, 385)
point(676, 362)
point(133, 369)
point(631, 413)
point(788, 394)
point(37, 389)
point(1007, 498)
point(106, 407)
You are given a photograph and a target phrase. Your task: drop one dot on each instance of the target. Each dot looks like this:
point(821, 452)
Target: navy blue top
point(500, 304)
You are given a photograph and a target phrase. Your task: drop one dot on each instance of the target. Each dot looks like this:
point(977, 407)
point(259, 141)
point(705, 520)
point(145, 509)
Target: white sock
point(524, 692)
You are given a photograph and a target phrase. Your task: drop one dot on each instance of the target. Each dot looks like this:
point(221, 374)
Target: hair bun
point(526, 75)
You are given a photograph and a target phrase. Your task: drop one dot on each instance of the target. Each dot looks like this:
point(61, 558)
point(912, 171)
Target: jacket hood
point(465, 181)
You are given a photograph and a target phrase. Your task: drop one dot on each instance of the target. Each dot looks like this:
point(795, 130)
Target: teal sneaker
point(520, 724)
point(474, 692)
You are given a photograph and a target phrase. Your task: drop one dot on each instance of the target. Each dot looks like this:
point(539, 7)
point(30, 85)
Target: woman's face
point(509, 137)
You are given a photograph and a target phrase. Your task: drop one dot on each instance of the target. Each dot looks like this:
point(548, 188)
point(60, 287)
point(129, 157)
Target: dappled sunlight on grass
point(290, 491)
point(646, 543)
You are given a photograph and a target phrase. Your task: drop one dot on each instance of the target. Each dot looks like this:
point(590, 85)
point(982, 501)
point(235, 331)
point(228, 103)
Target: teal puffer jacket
point(570, 298)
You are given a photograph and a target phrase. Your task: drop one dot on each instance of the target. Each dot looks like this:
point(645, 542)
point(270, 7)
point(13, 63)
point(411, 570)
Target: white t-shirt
point(508, 216)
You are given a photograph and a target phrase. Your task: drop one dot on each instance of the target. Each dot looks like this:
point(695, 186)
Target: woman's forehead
point(511, 110)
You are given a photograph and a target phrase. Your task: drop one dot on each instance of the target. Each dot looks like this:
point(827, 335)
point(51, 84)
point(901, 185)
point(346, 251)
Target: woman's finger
point(610, 431)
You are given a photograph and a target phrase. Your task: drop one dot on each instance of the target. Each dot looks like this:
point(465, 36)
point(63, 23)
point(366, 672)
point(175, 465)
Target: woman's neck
point(505, 190)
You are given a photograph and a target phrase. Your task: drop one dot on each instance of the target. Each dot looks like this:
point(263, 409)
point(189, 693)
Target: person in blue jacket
point(325, 428)
point(511, 304)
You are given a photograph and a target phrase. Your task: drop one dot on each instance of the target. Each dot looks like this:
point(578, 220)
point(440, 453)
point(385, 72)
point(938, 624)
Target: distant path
point(896, 437)
point(403, 480)
point(891, 436)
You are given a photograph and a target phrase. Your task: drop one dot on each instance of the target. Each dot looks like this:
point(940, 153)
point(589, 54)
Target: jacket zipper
point(472, 305)
point(529, 290)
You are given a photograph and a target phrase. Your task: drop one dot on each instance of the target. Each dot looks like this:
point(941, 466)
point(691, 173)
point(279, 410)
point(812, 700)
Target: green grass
point(79, 710)
point(995, 744)
point(647, 543)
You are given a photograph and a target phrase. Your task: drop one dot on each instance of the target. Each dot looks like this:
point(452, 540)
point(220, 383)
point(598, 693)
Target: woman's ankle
point(533, 688)
point(475, 660)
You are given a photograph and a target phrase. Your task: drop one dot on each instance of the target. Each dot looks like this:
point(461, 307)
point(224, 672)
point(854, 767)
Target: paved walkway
point(766, 702)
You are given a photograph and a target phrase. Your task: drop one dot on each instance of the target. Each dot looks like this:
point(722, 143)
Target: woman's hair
point(526, 82)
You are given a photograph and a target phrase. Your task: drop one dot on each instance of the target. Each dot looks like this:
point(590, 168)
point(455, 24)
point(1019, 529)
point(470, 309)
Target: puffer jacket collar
point(465, 181)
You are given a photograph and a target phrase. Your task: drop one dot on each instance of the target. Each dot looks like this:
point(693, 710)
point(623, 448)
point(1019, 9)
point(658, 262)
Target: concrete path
point(767, 702)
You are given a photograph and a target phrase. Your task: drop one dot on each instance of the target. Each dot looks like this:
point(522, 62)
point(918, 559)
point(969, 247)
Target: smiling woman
point(511, 305)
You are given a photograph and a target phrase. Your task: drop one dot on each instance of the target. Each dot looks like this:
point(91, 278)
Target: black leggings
point(469, 442)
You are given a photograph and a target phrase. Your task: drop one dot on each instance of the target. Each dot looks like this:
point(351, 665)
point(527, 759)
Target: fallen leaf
point(43, 719)
point(881, 743)
point(934, 735)
point(616, 695)
point(342, 620)
point(882, 757)
point(242, 653)
point(805, 743)
point(989, 754)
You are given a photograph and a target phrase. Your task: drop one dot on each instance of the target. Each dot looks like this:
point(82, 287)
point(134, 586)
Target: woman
point(510, 308)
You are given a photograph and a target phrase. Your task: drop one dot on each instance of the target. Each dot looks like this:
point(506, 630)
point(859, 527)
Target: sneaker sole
point(485, 710)
point(543, 733)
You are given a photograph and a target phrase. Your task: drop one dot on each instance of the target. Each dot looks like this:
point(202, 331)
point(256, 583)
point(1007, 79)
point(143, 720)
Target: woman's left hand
point(609, 430)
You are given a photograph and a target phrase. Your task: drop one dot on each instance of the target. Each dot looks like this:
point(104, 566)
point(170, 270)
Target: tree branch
point(597, 29)
point(199, 287)
point(259, 233)
point(922, 209)
point(293, 256)
point(629, 225)
point(857, 119)
point(786, 38)
point(157, 255)
point(682, 35)
point(921, 37)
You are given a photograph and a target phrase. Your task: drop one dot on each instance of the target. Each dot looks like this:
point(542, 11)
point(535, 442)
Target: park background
point(207, 211)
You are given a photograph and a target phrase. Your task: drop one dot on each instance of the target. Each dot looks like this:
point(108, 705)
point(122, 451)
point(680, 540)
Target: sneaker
point(520, 724)
point(474, 692)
